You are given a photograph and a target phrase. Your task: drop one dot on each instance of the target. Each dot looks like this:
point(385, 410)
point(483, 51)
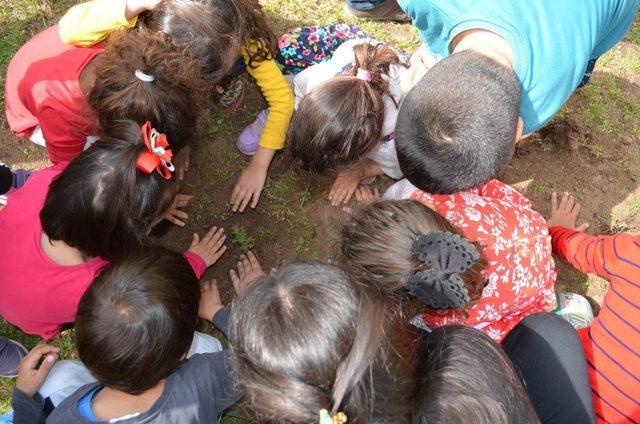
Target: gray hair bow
point(448, 256)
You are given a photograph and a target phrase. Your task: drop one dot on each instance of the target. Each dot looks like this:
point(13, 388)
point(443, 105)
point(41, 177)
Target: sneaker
point(230, 94)
point(250, 137)
point(387, 10)
point(10, 356)
point(575, 309)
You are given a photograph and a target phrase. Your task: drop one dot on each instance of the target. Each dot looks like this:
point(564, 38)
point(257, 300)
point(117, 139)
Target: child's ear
point(519, 129)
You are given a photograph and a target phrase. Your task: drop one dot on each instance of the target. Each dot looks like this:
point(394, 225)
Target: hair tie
point(144, 77)
point(158, 154)
point(447, 255)
point(364, 75)
point(326, 418)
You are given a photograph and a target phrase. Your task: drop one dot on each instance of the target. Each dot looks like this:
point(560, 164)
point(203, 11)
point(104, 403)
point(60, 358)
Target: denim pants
point(364, 5)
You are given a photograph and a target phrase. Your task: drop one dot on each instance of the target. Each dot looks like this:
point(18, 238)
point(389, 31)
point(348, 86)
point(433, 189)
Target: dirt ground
point(591, 149)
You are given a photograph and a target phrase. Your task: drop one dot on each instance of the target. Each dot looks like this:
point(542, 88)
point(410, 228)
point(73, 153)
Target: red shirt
point(37, 294)
point(521, 272)
point(43, 88)
point(612, 342)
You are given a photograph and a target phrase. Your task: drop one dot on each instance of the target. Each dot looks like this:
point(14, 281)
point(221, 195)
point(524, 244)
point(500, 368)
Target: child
point(194, 24)
point(307, 345)
point(460, 138)
point(504, 268)
point(518, 36)
point(68, 221)
point(347, 108)
point(612, 342)
point(134, 327)
point(62, 96)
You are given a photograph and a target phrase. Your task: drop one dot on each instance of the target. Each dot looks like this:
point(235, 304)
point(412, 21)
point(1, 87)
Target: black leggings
point(548, 354)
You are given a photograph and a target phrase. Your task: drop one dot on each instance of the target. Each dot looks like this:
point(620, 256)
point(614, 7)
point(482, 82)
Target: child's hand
point(566, 213)
point(249, 270)
point(211, 247)
point(174, 215)
point(248, 187)
point(366, 196)
point(31, 378)
point(210, 302)
point(344, 186)
point(181, 161)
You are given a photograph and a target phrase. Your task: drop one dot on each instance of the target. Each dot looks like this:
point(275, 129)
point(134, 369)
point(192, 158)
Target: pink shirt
point(37, 294)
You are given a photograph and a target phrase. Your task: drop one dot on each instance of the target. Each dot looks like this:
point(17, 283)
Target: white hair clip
point(144, 77)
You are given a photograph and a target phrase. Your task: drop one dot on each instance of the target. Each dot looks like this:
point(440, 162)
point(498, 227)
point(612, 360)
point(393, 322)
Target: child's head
point(135, 322)
point(142, 77)
point(339, 122)
point(214, 31)
point(304, 339)
point(403, 246)
point(463, 374)
point(458, 126)
point(101, 204)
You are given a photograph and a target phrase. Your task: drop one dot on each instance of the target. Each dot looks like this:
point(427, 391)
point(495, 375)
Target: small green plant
point(241, 238)
point(595, 150)
point(221, 176)
point(302, 245)
point(540, 187)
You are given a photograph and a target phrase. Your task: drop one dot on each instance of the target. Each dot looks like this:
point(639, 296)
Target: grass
point(241, 238)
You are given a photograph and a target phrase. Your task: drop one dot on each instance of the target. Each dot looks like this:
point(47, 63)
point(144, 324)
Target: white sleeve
point(386, 156)
point(399, 191)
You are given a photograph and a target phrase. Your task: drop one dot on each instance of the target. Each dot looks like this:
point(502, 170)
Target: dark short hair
point(136, 321)
point(101, 204)
point(304, 339)
point(172, 101)
point(457, 127)
point(463, 374)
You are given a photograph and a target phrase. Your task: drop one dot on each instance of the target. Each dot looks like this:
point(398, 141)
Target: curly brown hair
point(172, 101)
point(339, 122)
point(214, 31)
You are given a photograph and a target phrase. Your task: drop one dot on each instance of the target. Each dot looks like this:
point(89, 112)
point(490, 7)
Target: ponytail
point(341, 121)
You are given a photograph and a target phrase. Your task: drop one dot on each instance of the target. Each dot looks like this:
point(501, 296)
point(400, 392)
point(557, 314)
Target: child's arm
point(28, 405)
point(348, 181)
point(584, 251)
point(206, 252)
point(89, 23)
point(279, 96)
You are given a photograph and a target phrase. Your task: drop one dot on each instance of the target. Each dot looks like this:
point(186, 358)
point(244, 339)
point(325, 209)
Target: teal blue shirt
point(552, 40)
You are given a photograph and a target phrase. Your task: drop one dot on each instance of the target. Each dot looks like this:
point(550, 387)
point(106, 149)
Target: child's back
point(520, 274)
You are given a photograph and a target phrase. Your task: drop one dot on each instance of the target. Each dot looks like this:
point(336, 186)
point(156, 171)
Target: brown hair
point(464, 374)
point(341, 120)
point(172, 101)
point(214, 31)
point(376, 246)
point(136, 321)
point(305, 339)
point(101, 204)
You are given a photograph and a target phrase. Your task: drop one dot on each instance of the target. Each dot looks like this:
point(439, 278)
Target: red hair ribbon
point(158, 154)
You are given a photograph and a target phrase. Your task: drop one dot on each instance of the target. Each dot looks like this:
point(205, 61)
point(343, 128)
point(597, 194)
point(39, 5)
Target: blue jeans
point(363, 4)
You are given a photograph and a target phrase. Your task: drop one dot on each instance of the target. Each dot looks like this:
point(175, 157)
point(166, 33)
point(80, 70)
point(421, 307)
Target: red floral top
point(521, 272)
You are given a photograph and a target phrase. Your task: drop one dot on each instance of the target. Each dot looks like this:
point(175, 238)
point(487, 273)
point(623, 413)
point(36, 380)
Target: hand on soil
point(366, 196)
point(174, 215)
point(211, 247)
point(565, 213)
point(249, 270)
point(344, 187)
point(181, 161)
point(31, 378)
point(248, 187)
point(210, 302)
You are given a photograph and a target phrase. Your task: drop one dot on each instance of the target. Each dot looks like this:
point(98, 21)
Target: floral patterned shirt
point(521, 271)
